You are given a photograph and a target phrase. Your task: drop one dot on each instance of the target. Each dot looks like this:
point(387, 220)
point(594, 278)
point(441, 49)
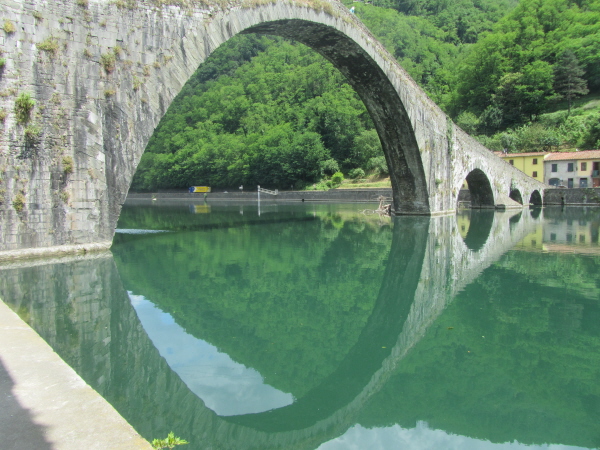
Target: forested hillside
point(273, 112)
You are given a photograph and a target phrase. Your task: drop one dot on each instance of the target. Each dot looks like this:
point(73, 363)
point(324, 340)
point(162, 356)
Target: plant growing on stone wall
point(2, 195)
point(3, 115)
point(32, 134)
point(8, 26)
point(136, 83)
point(64, 196)
point(68, 164)
point(109, 93)
point(19, 202)
point(23, 106)
point(108, 61)
point(49, 45)
point(87, 53)
point(82, 3)
point(125, 4)
point(37, 15)
point(2, 62)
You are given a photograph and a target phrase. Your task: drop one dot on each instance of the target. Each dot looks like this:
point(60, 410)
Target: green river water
point(320, 326)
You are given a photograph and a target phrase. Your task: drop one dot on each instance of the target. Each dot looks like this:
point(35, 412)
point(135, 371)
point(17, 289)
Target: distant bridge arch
point(515, 194)
point(115, 71)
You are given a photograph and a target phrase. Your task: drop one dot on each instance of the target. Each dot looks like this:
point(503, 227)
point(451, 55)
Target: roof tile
point(573, 156)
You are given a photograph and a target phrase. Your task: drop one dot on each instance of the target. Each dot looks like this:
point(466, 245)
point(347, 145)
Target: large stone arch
point(380, 98)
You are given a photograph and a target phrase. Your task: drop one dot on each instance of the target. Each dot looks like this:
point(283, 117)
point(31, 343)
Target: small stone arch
point(515, 194)
point(480, 189)
point(536, 198)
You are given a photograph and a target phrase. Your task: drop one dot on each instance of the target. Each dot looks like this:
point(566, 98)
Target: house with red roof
point(579, 169)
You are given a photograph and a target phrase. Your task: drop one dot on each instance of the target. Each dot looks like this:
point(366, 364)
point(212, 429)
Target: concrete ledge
point(57, 251)
point(45, 405)
point(333, 195)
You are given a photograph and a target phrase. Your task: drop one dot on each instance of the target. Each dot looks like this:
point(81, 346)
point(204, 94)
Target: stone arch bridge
point(103, 73)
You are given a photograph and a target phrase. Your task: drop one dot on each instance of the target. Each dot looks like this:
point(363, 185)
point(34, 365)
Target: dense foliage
point(283, 120)
point(270, 112)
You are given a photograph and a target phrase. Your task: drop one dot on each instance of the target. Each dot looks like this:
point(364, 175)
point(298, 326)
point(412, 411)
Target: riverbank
point(45, 405)
point(551, 196)
point(332, 195)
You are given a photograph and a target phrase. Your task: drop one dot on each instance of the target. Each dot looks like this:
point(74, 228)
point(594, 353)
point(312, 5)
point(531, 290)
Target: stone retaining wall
point(575, 196)
point(333, 195)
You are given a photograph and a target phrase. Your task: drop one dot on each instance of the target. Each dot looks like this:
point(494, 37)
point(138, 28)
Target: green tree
point(568, 80)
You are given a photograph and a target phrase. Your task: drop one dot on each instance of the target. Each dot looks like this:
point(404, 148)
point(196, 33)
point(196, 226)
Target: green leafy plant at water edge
point(171, 441)
point(23, 106)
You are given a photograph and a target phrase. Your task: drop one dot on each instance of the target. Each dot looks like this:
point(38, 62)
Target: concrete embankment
point(551, 196)
point(333, 195)
point(45, 405)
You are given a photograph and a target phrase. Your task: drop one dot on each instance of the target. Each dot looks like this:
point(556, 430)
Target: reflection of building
point(531, 164)
point(571, 231)
point(573, 169)
point(533, 241)
point(557, 235)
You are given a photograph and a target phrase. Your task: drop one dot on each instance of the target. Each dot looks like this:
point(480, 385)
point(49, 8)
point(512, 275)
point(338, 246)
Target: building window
point(582, 238)
point(511, 162)
point(570, 183)
point(552, 236)
point(554, 167)
point(569, 237)
point(584, 166)
point(570, 167)
point(534, 161)
point(583, 183)
point(533, 242)
point(534, 174)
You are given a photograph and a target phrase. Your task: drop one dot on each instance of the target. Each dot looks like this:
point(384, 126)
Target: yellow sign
point(199, 189)
point(200, 209)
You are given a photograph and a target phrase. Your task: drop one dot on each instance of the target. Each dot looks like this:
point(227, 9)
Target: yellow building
point(531, 164)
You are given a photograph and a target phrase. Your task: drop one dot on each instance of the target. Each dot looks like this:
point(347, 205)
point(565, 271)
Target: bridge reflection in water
point(422, 353)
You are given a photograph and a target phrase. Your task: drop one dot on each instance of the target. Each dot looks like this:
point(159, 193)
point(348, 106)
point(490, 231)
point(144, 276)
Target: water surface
point(319, 326)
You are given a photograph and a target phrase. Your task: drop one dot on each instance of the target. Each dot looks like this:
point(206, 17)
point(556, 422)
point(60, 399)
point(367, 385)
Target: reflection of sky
point(226, 387)
point(421, 438)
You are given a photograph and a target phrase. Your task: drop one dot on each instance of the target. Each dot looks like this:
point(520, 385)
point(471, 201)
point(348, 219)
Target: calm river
point(317, 326)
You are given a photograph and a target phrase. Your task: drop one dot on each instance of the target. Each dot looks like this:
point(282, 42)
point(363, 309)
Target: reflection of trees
point(288, 299)
point(519, 363)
